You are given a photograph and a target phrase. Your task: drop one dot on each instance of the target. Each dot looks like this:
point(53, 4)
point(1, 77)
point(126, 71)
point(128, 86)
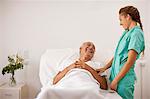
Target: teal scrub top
point(131, 39)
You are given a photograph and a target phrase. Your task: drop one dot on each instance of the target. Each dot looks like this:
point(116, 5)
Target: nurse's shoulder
point(137, 32)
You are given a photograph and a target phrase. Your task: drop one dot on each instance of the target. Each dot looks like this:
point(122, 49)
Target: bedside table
point(17, 92)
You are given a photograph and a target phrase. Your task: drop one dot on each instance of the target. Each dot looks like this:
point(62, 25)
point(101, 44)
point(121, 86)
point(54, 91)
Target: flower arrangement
point(15, 62)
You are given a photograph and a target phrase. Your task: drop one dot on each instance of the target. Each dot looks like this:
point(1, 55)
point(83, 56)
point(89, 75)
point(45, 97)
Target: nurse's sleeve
point(137, 42)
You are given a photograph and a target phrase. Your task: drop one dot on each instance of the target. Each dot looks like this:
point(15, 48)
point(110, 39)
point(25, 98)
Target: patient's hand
point(80, 64)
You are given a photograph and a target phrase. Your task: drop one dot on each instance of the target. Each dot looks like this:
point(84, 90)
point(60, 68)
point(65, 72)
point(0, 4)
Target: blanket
point(77, 84)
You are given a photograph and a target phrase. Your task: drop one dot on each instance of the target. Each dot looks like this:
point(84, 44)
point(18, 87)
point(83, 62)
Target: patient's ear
point(80, 49)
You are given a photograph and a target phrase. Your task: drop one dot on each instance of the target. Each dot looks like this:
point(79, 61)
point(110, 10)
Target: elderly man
point(87, 51)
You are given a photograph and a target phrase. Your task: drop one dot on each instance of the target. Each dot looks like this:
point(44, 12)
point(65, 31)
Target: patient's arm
point(61, 74)
point(100, 79)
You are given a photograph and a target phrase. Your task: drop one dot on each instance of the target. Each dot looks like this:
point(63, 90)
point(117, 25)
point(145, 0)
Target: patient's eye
point(86, 48)
point(92, 51)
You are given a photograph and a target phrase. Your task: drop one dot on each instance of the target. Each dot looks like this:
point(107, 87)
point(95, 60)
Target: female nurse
point(129, 47)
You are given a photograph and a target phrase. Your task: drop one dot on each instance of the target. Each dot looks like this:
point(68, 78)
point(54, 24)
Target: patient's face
point(87, 51)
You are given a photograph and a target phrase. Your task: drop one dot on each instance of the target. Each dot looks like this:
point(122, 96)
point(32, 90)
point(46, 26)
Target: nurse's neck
point(132, 25)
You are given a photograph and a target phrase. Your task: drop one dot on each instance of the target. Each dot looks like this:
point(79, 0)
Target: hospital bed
point(50, 63)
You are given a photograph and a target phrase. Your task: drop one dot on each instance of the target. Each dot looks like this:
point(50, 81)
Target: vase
point(12, 81)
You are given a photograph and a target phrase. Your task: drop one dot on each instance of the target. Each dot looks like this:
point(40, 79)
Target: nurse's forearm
point(123, 72)
point(131, 60)
point(108, 65)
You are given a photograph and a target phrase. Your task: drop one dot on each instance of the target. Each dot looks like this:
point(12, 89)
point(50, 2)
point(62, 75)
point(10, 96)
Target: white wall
point(148, 54)
point(34, 26)
point(1, 47)
point(146, 69)
point(0, 29)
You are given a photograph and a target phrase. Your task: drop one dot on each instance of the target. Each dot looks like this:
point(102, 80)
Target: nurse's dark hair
point(135, 15)
point(133, 12)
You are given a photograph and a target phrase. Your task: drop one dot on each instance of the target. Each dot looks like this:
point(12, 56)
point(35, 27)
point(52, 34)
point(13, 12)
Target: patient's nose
point(90, 49)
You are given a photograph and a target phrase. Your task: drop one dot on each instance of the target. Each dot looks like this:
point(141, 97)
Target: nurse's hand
point(101, 70)
point(113, 85)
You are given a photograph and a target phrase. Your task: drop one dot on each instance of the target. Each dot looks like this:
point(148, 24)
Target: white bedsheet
point(77, 84)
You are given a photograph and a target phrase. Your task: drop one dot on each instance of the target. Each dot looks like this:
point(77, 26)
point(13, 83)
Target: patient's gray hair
point(88, 43)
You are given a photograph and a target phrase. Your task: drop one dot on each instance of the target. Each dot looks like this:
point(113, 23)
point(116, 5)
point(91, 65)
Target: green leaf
point(15, 62)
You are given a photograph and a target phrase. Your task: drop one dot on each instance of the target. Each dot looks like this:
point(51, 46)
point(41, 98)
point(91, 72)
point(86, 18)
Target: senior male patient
point(85, 63)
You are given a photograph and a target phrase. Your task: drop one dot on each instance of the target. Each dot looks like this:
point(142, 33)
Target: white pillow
point(49, 62)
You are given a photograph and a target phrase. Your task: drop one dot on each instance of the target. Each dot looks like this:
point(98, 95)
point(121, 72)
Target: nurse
point(129, 47)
